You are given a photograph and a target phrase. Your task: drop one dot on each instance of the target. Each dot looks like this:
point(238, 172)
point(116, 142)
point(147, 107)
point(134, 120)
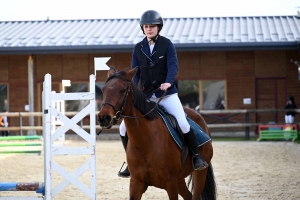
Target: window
point(99, 95)
point(188, 92)
point(3, 97)
point(212, 94)
point(78, 105)
point(74, 106)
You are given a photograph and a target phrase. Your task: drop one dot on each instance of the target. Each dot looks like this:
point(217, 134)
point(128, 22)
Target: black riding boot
point(191, 141)
point(125, 173)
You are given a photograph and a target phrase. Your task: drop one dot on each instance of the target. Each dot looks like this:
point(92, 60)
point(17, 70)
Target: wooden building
point(253, 57)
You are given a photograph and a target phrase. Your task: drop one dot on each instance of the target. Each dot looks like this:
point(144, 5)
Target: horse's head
point(115, 92)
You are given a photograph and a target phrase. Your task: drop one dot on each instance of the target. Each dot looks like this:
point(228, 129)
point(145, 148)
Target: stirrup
point(125, 173)
point(205, 165)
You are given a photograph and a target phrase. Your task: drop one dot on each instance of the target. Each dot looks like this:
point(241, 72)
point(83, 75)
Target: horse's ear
point(131, 74)
point(111, 71)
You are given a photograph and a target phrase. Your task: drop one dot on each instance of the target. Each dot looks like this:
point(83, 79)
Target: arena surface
point(243, 170)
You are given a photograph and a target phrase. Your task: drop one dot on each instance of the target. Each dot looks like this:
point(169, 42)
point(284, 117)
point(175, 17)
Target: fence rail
point(209, 113)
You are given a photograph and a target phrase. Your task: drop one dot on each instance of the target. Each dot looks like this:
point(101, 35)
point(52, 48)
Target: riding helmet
point(291, 98)
point(151, 17)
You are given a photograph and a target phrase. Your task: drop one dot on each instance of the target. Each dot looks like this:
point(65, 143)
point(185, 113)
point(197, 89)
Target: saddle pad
point(201, 136)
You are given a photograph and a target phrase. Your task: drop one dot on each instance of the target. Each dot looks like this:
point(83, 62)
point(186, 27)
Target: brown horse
point(153, 157)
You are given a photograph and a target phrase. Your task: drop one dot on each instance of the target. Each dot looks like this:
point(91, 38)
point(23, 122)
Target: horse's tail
point(210, 190)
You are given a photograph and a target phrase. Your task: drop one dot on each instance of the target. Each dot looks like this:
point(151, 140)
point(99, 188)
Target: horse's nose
point(104, 120)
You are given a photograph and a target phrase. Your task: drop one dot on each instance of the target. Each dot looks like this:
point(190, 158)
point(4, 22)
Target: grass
point(232, 139)
point(240, 139)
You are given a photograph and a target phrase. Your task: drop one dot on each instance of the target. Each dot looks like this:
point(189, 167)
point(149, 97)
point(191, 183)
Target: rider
point(158, 66)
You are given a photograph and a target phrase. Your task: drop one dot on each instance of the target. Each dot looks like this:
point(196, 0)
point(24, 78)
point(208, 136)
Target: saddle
point(176, 132)
point(172, 121)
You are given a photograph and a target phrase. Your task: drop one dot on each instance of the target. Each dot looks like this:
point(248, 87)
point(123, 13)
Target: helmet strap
point(154, 38)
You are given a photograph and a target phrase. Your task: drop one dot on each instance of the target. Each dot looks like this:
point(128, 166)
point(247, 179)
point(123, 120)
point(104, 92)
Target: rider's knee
point(185, 127)
point(122, 129)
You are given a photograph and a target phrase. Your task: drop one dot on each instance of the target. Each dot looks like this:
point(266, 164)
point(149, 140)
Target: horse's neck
point(131, 112)
point(138, 123)
point(138, 130)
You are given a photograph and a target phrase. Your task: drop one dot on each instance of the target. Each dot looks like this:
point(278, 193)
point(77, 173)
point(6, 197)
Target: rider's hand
point(165, 86)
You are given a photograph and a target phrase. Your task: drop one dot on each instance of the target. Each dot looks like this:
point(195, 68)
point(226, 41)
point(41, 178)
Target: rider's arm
point(172, 64)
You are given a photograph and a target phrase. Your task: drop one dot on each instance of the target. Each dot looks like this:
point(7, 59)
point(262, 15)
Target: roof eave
point(65, 49)
point(241, 46)
point(128, 48)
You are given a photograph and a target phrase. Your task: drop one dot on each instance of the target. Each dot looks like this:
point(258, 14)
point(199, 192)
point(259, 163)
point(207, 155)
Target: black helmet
point(151, 17)
point(291, 98)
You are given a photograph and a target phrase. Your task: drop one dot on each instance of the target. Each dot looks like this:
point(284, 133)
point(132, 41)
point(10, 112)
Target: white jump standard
point(50, 138)
point(50, 149)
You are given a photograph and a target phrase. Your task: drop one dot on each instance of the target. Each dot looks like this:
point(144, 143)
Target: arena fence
point(216, 123)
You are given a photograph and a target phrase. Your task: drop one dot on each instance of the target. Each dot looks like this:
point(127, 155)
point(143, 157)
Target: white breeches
point(289, 119)
point(172, 105)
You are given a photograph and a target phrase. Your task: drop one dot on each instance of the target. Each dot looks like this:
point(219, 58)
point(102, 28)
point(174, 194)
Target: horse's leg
point(136, 189)
point(172, 189)
point(199, 182)
point(183, 190)
point(206, 152)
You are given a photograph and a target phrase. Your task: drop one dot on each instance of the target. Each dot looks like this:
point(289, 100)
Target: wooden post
point(31, 94)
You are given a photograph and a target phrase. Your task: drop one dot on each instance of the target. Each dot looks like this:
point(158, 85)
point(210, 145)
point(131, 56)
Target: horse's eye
point(122, 91)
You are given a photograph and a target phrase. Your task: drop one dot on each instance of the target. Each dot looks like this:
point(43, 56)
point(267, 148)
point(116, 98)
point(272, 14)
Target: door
point(270, 94)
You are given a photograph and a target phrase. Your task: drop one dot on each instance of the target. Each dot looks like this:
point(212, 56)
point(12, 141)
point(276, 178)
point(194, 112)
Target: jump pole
point(38, 187)
point(19, 144)
point(15, 144)
point(29, 137)
point(22, 186)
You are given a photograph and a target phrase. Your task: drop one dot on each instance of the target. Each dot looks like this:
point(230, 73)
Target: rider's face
point(150, 30)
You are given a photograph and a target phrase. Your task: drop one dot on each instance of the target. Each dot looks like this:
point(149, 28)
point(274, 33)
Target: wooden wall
point(241, 69)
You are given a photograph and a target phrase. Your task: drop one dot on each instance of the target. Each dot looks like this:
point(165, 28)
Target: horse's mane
point(140, 101)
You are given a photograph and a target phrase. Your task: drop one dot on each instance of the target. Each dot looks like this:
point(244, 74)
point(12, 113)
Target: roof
point(117, 35)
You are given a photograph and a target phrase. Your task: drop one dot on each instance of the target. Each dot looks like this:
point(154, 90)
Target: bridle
point(118, 112)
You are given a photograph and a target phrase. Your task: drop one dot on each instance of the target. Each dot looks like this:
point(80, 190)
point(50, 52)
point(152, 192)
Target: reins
point(119, 112)
point(130, 117)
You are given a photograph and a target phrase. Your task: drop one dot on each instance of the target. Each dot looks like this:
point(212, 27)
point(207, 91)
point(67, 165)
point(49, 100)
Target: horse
point(152, 156)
